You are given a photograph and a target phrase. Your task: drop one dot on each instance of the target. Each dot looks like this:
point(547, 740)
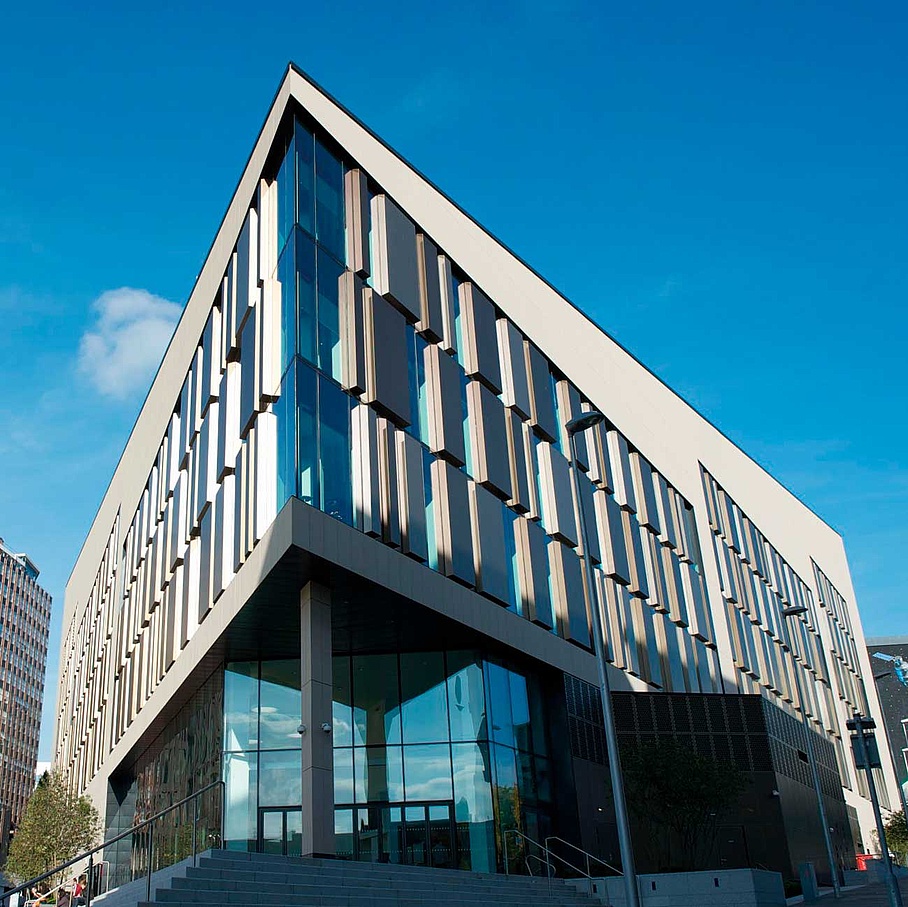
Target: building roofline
point(886, 641)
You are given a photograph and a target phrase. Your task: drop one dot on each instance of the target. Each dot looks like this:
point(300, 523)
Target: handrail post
point(148, 852)
point(195, 832)
point(88, 880)
point(504, 851)
point(223, 787)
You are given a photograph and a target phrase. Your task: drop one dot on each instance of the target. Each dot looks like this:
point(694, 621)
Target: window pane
point(305, 288)
point(305, 178)
point(379, 774)
point(286, 196)
point(280, 778)
point(334, 450)
point(499, 693)
point(376, 704)
point(329, 203)
point(329, 348)
point(343, 833)
point(280, 705)
point(520, 711)
point(308, 433)
point(285, 411)
point(286, 274)
point(427, 772)
point(343, 776)
point(506, 793)
point(241, 703)
point(466, 699)
point(425, 710)
point(241, 788)
point(342, 705)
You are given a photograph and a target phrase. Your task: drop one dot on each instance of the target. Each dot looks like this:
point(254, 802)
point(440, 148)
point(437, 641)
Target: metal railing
point(149, 846)
point(549, 857)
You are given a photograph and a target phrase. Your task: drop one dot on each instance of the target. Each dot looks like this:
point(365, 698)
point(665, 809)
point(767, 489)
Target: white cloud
point(121, 351)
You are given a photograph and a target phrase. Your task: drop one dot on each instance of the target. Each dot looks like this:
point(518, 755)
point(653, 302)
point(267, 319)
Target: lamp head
point(584, 421)
point(794, 610)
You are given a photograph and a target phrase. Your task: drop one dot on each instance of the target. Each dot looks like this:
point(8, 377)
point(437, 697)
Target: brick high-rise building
point(24, 623)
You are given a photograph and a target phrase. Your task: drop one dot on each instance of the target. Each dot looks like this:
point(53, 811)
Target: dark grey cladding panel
point(587, 491)
point(395, 268)
point(489, 555)
point(520, 499)
point(453, 528)
point(248, 348)
point(557, 494)
point(480, 336)
point(352, 332)
point(638, 585)
point(530, 543)
point(571, 407)
point(570, 600)
point(205, 541)
point(611, 536)
point(386, 358)
point(489, 439)
point(431, 322)
point(645, 491)
point(388, 484)
point(356, 200)
point(515, 383)
point(542, 403)
point(443, 379)
point(411, 484)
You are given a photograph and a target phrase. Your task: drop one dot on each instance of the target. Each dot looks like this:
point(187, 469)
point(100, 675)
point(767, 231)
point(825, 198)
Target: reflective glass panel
point(280, 778)
point(498, 685)
point(306, 296)
point(307, 425)
point(305, 177)
point(329, 202)
point(343, 833)
point(334, 452)
point(285, 412)
point(427, 772)
point(241, 787)
point(520, 711)
point(329, 347)
point(343, 776)
point(466, 699)
point(241, 701)
point(425, 711)
point(280, 705)
point(286, 196)
point(286, 274)
point(376, 702)
point(342, 708)
point(379, 774)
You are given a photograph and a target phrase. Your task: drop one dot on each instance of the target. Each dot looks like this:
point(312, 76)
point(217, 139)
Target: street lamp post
point(867, 757)
point(580, 424)
point(811, 755)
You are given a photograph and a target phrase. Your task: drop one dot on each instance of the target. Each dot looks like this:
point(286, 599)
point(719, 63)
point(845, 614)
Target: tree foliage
point(897, 836)
point(677, 797)
point(55, 827)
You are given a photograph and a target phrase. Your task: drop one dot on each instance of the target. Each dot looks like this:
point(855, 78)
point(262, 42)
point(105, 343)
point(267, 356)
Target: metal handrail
point(89, 854)
point(588, 855)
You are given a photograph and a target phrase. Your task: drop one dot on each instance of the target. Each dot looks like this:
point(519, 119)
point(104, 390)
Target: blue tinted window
point(307, 427)
point(285, 412)
point(334, 452)
point(286, 195)
point(305, 178)
point(431, 540)
point(510, 556)
point(328, 315)
point(306, 296)
point(423, 697)
point(329, 201)
point(286, 274)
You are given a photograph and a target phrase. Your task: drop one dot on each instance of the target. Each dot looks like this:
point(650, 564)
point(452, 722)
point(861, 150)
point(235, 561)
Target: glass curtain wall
point(437, 755)
point(262, 756)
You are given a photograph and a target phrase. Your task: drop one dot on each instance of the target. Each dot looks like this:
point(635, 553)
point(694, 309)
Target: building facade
point(889, 658)
point(340, 563)
point(24, 625)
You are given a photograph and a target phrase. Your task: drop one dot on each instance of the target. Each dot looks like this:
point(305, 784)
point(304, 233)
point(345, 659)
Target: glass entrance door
point(281, 830)
point(419, 834)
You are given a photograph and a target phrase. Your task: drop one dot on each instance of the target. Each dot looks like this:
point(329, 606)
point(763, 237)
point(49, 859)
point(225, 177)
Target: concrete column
point(317, 686)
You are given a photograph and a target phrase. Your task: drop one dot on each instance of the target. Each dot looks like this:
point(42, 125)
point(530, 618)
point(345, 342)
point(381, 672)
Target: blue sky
point(722, 186)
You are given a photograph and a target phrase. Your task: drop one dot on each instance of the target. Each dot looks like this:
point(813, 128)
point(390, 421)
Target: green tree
point(677, 797)
point(897, 836)
point(55, 827)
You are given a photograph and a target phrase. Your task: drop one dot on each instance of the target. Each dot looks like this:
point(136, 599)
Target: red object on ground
point(862, 859)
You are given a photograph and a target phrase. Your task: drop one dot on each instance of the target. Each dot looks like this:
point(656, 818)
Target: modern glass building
point(340, 564)
point(24, 625)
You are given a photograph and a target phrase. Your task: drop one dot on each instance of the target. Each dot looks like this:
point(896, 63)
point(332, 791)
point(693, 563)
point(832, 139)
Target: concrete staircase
point(232, 879)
